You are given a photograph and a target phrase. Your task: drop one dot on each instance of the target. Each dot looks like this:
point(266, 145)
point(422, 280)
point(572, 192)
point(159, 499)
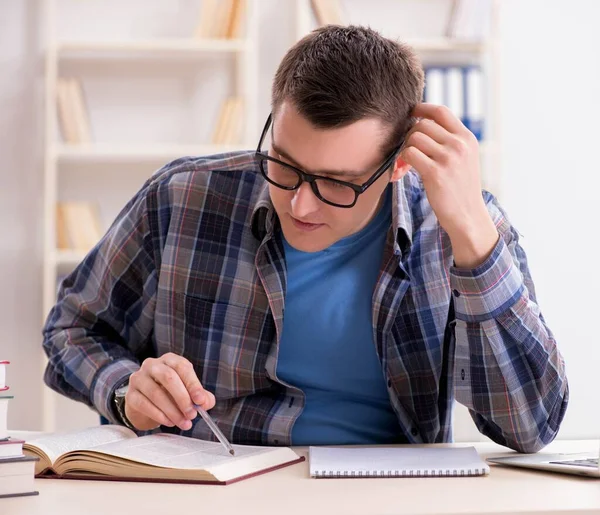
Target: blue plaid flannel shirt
point(194, 265)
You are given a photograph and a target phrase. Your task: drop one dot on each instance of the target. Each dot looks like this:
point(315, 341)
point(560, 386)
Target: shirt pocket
point(228, 345)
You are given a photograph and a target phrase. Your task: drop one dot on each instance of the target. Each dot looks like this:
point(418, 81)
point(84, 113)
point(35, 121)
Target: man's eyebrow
point(349, 174)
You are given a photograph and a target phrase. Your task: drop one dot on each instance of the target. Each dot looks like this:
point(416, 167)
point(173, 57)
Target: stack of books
point(16, 469)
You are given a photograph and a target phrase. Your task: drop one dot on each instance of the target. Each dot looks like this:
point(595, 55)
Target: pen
point(215, 429)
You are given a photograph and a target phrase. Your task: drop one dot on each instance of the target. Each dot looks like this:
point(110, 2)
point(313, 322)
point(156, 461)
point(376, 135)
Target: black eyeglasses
point(331, 191)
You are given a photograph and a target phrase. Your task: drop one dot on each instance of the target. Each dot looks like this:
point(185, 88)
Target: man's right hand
point(162, 392)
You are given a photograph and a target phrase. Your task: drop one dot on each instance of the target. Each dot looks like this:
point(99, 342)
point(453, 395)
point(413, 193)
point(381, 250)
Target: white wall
point(20, 207)
point(550, 103)
point(551, 108)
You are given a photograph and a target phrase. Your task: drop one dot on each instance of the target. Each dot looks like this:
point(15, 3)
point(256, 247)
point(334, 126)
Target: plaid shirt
point(194, 264)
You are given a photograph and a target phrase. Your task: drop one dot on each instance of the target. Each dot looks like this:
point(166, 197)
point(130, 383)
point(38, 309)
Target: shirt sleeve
point(100, 328)
point(508, 369)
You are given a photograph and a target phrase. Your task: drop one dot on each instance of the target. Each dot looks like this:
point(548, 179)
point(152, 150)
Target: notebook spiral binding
point(398, 473)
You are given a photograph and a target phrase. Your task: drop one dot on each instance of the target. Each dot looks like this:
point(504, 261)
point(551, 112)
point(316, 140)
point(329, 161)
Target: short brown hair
point(338, 75)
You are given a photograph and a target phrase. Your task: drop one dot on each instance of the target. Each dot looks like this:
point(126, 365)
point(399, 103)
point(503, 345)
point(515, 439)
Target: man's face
point(349, 154)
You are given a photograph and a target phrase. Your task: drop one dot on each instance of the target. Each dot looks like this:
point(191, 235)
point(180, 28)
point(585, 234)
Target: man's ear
point(400, 169)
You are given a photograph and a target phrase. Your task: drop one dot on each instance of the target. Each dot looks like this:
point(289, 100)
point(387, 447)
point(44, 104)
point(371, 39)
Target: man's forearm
point(507, 366)
point(86, 368)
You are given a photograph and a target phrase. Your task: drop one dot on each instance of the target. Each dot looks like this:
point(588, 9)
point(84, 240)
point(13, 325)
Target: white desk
point(291, 491)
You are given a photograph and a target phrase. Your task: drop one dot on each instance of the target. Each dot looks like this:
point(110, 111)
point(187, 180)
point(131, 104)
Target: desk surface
point(291, 491)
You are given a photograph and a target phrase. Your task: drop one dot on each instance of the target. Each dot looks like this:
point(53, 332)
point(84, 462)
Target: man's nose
point(304, 202)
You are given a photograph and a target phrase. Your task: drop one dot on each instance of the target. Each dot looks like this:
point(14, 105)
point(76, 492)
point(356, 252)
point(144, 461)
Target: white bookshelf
point(439, 49)
point(81, 56)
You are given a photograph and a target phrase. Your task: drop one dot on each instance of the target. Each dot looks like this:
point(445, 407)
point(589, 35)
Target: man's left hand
point(446, 155)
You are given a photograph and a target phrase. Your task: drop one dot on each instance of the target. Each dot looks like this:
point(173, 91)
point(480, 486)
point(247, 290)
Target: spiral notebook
point(407, 461)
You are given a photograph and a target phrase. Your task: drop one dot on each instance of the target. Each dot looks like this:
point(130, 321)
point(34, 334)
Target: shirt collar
point(402, 219)
point(264, 217)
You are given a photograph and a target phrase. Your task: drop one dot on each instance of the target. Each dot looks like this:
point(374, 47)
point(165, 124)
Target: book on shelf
point(80, 110)
point(220, 19)
point(235, 25)
point(328, 12)
point(204, 27)
point(78, 226)
point(72, 112)
point(229, 123)
point(461, 89)
point(66, 117)
point(469, 20)
point(113, 452)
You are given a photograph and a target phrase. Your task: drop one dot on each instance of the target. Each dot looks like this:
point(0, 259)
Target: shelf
point(152, 47)
point(100, 153)
point(447, 45)
point(148, 48)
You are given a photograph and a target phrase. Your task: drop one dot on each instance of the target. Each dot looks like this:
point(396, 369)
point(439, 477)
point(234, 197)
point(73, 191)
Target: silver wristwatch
point(120, 404)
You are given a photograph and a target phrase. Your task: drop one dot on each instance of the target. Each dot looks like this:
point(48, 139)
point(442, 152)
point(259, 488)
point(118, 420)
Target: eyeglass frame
point(311, 178)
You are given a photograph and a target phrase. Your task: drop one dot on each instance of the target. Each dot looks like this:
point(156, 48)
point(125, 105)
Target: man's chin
point(306, 242)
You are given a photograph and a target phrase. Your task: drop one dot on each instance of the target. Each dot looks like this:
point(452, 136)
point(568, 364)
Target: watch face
point(121, 392)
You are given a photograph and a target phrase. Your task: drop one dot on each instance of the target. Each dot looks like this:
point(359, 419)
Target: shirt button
point(462, 374)
point(456, 293)
point(276, 441)
point(414, 431)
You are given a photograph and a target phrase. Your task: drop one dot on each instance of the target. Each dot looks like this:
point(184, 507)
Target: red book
point(114, 453)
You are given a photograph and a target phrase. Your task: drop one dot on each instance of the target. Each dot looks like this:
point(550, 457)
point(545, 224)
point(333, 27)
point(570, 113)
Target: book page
point(56, 444)
point(178, 452)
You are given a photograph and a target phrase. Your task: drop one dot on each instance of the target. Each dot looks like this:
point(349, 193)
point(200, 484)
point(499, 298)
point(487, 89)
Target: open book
point(117, 453)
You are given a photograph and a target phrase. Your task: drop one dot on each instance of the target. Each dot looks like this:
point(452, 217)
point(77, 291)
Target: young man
point(341, 285)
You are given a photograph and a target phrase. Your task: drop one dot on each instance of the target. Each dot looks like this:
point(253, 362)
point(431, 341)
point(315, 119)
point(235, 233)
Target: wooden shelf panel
point(157, 47)
point(101, 153)
point(448, 45)
point(148, 48)
point(96, 153)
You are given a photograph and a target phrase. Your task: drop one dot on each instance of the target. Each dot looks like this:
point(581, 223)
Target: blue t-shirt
point(327, 348)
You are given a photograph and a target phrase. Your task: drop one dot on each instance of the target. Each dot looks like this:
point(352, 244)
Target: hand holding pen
point(163, 392)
